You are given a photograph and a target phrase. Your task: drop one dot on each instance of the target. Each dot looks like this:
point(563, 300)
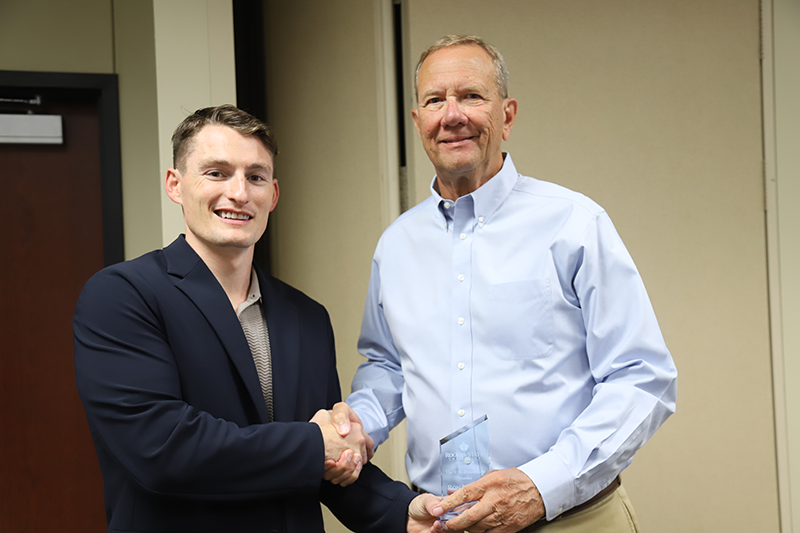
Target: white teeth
point(235, 216)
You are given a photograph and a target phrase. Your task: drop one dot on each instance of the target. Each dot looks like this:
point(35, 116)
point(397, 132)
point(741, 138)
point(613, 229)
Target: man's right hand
point(344, 454)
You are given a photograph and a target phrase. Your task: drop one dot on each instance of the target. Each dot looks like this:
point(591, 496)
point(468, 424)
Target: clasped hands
point(347, 446)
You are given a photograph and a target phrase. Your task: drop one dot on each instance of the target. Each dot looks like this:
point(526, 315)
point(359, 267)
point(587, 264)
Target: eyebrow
point(223, 163)
point(467, 89)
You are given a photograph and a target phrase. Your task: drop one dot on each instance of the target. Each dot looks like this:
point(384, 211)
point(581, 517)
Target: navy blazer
point(176, 412)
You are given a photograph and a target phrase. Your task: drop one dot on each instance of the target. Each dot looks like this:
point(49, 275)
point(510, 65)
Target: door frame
point(105, 88)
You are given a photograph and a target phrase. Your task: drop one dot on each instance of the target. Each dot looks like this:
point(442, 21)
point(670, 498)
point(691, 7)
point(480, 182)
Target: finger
point(345, 459)
point(471, 518)
point(432, 505)
point(358, 440)
point(440, 526)
point(416, 509)
point(351, 476)
point(465, 494)
point(340, 417)
point(370, 444)
point(474, 491)
point(420, 508)
point(340, 468)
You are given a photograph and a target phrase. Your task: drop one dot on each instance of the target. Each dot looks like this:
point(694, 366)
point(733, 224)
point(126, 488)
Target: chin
point(241, 242)
point(460, 167)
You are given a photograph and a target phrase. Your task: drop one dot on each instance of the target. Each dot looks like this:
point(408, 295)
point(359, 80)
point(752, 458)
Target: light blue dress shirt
point(521, 302)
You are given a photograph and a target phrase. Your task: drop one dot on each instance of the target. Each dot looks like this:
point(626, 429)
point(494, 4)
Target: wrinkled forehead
point(454, 66)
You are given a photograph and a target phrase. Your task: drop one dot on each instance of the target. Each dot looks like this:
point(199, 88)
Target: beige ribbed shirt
point(252, 318)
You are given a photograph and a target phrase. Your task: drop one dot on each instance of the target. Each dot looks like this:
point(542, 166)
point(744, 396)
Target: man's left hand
point(507, 502)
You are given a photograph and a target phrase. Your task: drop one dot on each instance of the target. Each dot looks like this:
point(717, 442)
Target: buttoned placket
point(461, 374)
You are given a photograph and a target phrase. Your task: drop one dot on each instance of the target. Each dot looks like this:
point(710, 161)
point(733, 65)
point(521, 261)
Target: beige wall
point(327, 102)
point(781, 28)
point(323, 108)
point(45, 35)
point(135, 58)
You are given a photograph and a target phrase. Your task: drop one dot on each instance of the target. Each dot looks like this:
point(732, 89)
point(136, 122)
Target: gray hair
point(500, 67)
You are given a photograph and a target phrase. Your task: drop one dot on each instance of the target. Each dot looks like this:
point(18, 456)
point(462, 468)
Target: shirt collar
point(488, 197)
point(253, 293)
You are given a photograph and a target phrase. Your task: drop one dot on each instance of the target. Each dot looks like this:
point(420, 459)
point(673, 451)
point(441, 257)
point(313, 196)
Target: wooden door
point(52, 243)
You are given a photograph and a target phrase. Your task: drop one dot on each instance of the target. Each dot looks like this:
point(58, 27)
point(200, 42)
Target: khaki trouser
point(613, 514)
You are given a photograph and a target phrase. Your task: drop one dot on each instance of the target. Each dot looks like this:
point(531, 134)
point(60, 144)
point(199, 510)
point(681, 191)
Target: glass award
point(464, 456)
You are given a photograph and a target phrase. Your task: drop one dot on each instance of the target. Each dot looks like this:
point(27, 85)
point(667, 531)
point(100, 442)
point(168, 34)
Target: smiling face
point(461, 118)
point(226, 190)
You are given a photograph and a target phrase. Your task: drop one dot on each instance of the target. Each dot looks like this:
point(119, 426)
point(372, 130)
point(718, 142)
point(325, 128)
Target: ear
point(275, 196)
point(171, 185)
point(510, 113)
point(415, 116)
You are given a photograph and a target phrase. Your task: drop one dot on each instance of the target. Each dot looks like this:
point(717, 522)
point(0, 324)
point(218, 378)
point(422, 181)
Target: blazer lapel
point(192, 277)
point(283, 325)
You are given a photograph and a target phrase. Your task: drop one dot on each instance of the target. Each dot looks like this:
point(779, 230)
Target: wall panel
point(327, 88)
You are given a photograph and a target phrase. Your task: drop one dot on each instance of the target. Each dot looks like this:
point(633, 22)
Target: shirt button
point(463, 236)
point(447, 205)
point(461, 277)
point(461, 321)
point(461, 412)
point(480, 219)
point(461, 366)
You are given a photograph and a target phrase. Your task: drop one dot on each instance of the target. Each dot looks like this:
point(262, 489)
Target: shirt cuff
point(554, 482)
point(374, 424)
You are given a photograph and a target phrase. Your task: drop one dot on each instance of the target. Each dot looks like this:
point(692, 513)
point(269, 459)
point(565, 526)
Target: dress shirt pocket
point(522, 325)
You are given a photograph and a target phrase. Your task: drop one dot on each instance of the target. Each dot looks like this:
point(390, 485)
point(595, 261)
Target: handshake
point(347, 446)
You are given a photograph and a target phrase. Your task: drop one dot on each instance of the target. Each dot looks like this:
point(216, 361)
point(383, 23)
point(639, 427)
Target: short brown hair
point(223, 115)
point(500, 67)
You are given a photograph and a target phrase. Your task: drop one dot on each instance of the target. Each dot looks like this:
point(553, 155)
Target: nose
point(237, 188)
point(453, 114)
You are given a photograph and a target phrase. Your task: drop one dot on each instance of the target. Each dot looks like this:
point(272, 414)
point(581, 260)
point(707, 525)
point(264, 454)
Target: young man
point(206, 381)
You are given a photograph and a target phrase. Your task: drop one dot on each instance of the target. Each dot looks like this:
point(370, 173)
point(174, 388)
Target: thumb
point(424, 507)
point(433, 505)
point(340, 417)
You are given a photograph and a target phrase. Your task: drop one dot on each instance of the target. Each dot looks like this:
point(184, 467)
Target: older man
point(508, 296)
point(206, 381)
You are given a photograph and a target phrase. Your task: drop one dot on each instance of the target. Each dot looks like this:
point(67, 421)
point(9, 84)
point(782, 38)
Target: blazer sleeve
point(131, 390)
